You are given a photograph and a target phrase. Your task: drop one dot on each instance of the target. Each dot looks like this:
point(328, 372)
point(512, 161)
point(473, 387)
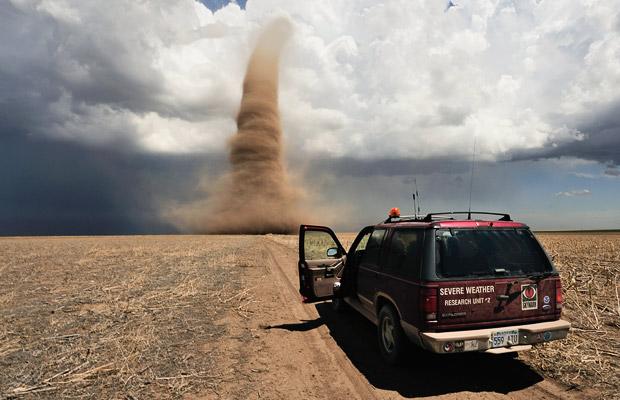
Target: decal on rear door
point(529, 297)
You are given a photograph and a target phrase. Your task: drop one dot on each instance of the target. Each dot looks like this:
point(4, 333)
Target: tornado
point(256, 196)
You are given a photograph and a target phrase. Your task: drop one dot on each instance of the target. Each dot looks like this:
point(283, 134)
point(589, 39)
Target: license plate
point(504, 338)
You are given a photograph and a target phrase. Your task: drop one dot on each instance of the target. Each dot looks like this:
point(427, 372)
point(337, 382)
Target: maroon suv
point(445, 284)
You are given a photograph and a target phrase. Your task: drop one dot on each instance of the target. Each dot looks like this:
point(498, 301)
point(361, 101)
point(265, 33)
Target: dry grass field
point(590, 269)
point(217, 317)
point(117, 317)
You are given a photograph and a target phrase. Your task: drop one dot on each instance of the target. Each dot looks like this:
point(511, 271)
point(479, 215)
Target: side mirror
point(333, 252)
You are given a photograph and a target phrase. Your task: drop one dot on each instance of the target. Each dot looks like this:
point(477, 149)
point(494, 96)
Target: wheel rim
point(387, 334)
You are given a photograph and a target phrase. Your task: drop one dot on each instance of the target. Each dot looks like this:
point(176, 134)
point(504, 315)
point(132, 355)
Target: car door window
point(404, 253)
point(373, 247)
point(316, 245)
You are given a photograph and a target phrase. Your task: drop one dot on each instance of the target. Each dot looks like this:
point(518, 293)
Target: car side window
point(405, 252)
point(373, 247)
point(363, 242)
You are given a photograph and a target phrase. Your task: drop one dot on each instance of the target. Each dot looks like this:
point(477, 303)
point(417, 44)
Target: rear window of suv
point(465, 253)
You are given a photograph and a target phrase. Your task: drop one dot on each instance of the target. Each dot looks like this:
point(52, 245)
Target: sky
point(114, 113)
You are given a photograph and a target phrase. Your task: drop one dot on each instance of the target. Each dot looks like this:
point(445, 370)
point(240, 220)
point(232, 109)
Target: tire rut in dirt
point(356, 382)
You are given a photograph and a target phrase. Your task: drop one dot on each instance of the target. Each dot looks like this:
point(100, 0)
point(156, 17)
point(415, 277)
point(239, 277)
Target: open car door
point(321, 260)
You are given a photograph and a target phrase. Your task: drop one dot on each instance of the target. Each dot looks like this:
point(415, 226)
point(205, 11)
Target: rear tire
point(393, 342)
point(509, 356)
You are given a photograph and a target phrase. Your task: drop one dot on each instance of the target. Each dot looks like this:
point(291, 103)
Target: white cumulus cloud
point(573, 193)
point(364, 79)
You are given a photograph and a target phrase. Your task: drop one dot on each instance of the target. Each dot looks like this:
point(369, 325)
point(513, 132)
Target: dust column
point(256, 196)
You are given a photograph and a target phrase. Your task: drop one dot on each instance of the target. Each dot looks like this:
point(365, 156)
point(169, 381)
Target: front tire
point(393, 342)
point(339, 305)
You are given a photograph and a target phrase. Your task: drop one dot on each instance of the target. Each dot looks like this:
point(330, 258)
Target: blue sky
point(105, 128)
point(215, 5)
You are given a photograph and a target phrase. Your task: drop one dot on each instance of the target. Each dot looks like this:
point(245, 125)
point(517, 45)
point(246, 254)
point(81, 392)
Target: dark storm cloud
point(97, 75)
point(52, 74)
point(54, 187)
point(28, 86)
point(347, 166)
point(612, 170)
point(601, 141)
point(43, 59)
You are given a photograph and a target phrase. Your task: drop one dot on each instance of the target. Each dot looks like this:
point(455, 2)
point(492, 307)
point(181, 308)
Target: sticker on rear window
point(529, 297)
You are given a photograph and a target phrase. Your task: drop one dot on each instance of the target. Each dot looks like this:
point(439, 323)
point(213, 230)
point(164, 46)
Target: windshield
point(476, 252)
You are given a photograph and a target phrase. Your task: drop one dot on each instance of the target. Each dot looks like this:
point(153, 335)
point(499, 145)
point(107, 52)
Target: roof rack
point(404, 218)
point(504, 216)
point(444, 215)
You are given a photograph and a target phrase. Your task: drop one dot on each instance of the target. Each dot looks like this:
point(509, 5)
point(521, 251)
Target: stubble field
point(218, 317)
point(590, 269)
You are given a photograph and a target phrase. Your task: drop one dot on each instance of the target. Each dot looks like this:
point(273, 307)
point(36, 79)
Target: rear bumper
point(479, 339)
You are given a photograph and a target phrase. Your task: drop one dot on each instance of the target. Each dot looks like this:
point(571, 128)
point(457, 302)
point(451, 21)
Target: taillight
point(559, 299)
point(429, 303)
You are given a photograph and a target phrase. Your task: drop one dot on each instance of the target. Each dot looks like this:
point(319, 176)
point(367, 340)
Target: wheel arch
point(383, 299)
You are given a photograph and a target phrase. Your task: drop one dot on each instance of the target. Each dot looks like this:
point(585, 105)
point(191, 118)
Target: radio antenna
point(415, 182)
point(415, 214)
point(471, 179)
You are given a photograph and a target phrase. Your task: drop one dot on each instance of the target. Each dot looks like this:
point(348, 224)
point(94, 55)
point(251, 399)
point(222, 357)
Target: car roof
point(450, 219)
point(451, 223)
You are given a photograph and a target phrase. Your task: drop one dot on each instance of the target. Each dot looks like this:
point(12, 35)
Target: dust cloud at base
point(256, 196)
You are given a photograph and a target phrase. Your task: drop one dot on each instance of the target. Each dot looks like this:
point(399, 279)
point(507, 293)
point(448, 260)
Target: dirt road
point(325, 355)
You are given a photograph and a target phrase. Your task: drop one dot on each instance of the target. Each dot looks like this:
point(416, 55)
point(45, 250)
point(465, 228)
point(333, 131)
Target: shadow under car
point(424, 374)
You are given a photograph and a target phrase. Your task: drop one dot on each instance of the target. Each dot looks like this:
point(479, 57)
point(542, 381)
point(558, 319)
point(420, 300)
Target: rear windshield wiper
point(535, 276)
point(481, 273)
point(540, 275)
point(494, 272)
